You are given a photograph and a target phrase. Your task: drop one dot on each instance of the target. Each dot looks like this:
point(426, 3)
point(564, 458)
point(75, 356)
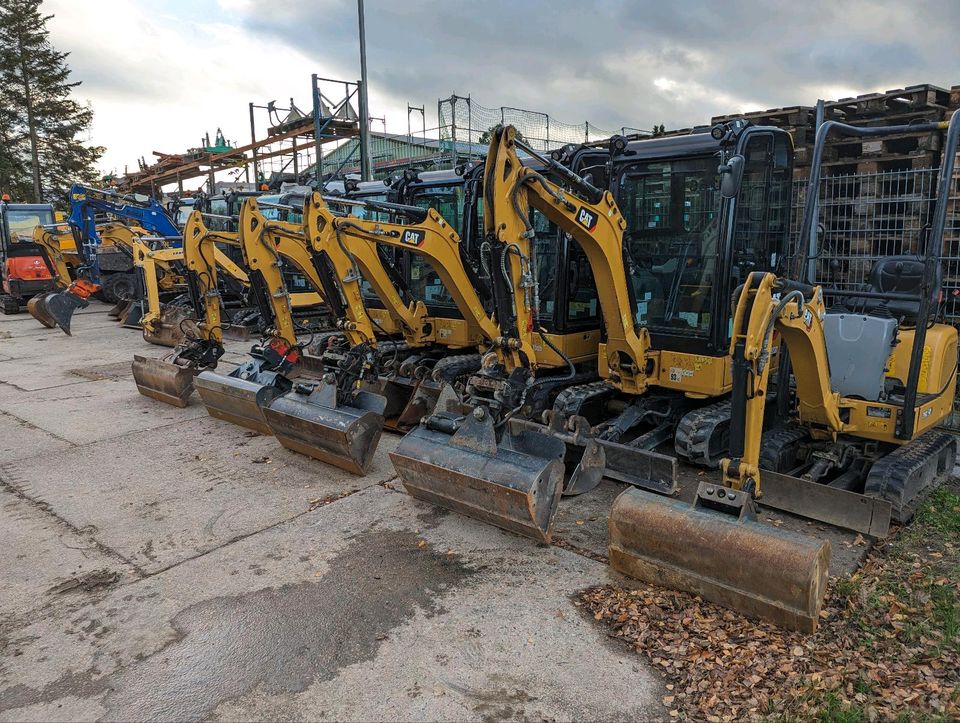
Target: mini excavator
point(170, 381)
point(86, 203)
point(239, 397)
point(874, 374)
point(468, 457)
point(370, 378)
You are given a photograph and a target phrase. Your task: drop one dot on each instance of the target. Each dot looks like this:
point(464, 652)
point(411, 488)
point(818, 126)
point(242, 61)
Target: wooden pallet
point(892, 103)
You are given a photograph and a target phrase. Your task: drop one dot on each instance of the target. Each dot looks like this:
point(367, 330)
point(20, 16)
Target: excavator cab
point(26, 272)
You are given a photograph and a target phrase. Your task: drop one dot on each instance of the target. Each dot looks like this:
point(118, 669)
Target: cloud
point(160, 80)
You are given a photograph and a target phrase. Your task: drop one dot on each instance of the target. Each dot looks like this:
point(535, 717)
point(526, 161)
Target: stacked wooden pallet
point(876, 192)
point(915, 149)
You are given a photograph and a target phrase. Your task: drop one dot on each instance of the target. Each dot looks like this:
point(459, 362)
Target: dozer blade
point(638, 467)
point(514, 483)
point(310, 421)
point(60, 307)
point(163, 381)
point(39, 312)
point(730, 559)
point(236, 400)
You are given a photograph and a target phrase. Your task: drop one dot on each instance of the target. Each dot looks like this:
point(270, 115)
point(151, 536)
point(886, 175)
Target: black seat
point(897, 275)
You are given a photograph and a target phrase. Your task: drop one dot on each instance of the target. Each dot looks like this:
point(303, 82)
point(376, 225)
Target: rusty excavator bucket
point(717, 549)
point(641, 468)
point(310, 420)
point(164, 381)
point(39, 311)
point(131, 314)
point(514, 482)
point(241, 396)
point(168, 329)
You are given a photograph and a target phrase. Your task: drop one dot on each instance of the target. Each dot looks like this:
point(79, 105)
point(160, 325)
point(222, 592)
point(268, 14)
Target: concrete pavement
point(162, 564)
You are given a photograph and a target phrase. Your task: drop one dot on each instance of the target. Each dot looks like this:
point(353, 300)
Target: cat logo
point(587, 219)
point(413, 238)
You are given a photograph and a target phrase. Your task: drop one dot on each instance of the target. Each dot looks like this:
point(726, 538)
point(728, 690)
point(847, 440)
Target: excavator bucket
point(117, 310)
point(241, 396)
point(514, 483)
point(131, 315)
point(310, 421)
point(718, 550)
point(163, 381)
point(39, 312)
point(168, 329)
point(58, 306)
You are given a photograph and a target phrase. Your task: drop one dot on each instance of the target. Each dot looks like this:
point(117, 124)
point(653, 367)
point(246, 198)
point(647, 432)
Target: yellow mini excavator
point(239, 397)
point(874, 375)
point(339, 417)
point(163, 324)
point(468, 455)
point(201, 346)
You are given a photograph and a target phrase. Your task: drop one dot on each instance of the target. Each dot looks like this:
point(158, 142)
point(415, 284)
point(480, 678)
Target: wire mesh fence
point(465, 126)
point(864, 217)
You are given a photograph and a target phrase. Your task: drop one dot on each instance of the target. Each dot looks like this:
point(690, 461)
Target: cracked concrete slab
point(20, 439)
point(44, 560)
point(172, 566)
point(162, 496)
point(375, 607)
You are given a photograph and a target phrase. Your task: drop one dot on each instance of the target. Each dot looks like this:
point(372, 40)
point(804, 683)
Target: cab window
point(672, 211)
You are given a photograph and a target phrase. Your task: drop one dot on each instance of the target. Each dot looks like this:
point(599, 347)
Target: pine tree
point(40, 124)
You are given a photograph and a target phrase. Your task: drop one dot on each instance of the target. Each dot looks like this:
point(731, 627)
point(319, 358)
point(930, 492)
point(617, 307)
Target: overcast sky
point(161, 73)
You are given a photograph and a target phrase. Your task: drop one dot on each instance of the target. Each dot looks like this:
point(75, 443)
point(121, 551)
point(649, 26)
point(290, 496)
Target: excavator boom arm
point(766, 305)
point(263, 260)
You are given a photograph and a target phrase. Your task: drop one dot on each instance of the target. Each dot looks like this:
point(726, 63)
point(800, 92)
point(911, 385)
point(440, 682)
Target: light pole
point(366, 170)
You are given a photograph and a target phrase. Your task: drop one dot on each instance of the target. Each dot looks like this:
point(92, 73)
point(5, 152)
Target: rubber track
point(906, 475)
point(451, 368)
point(775, 441)
point(692, 441)
point(570, 400)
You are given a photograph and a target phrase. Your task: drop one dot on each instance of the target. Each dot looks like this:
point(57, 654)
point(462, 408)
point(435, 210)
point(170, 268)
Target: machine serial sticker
point(678, 374)
point(882, 412)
